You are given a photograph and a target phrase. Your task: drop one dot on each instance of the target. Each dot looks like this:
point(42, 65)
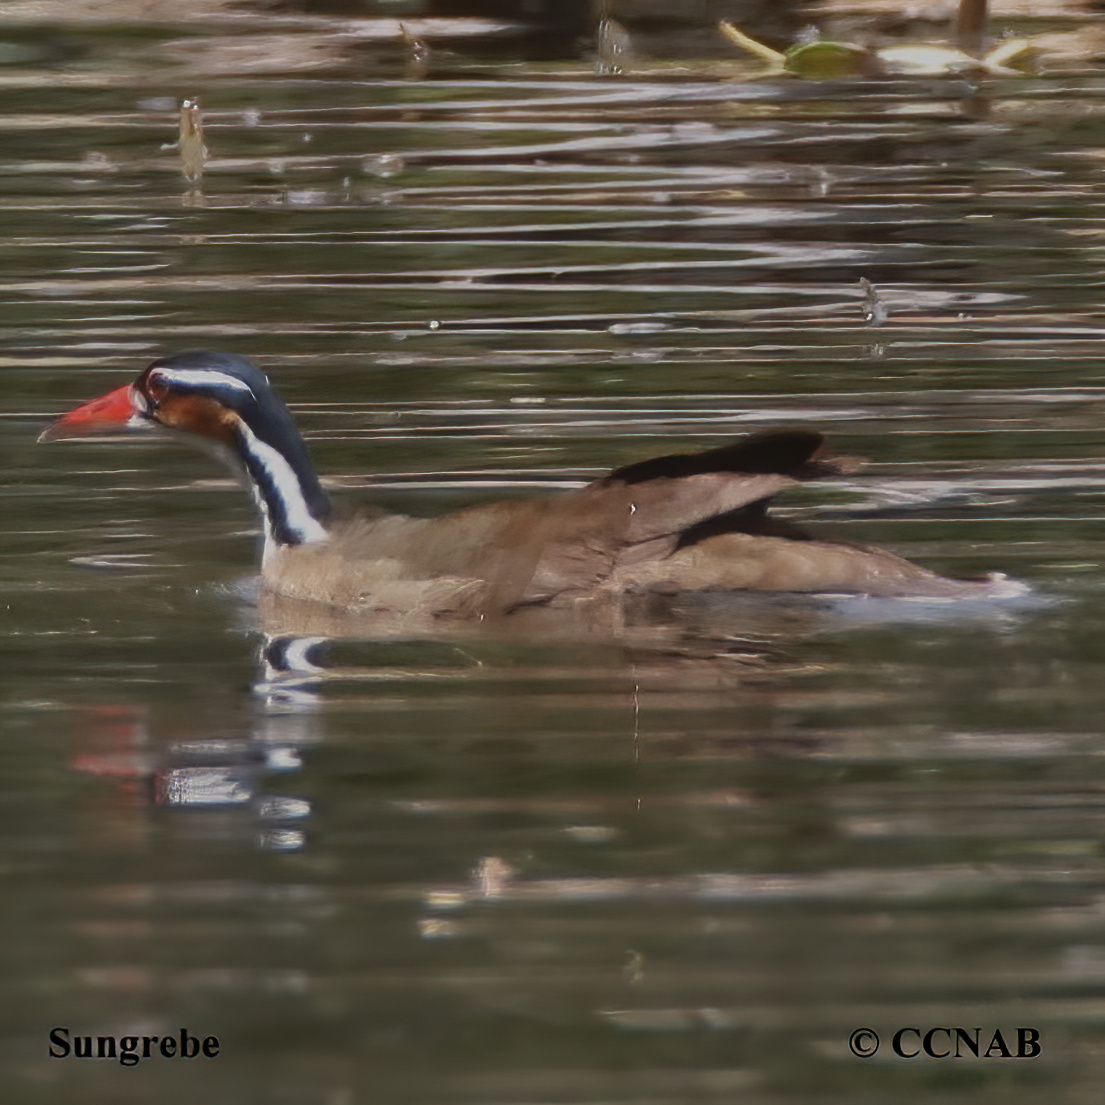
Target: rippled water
point(677, 863)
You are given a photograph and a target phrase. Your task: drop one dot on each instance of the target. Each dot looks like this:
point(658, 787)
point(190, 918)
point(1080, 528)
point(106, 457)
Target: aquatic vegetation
point(826, 59)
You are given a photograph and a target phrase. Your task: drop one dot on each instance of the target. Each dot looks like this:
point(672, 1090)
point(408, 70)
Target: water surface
point(678, 862)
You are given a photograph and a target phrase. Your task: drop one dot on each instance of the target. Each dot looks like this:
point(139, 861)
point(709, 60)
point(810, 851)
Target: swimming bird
point(671, 524)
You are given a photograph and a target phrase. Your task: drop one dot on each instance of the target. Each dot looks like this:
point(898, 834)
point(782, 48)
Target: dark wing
point(789, 453)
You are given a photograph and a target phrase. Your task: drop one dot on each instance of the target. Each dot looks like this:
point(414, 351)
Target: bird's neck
point(285, 487)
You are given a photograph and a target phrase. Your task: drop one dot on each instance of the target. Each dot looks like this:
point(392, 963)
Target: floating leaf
point(827, 59)
point(737, 37)
point(926, 61)
point(1018, 55)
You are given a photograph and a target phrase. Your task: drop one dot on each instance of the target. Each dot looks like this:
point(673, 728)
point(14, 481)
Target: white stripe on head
point(202, 377)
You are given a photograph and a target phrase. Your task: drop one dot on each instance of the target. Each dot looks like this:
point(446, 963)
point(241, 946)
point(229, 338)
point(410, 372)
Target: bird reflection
point(720, 649)
point(217, 774)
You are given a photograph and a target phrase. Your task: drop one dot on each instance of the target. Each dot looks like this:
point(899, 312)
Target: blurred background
point(489, 250)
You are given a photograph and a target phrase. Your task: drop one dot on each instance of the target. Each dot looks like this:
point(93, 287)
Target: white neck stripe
point(275, 477)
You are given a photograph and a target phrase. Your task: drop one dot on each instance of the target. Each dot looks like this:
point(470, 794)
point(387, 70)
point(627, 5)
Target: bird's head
point(207, 394)
point(225, 400)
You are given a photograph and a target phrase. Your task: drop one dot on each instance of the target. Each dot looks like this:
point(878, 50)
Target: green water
point(678, 864)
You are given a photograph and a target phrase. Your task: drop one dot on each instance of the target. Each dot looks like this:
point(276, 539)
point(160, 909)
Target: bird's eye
point(156, 389)
point(152, 392)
